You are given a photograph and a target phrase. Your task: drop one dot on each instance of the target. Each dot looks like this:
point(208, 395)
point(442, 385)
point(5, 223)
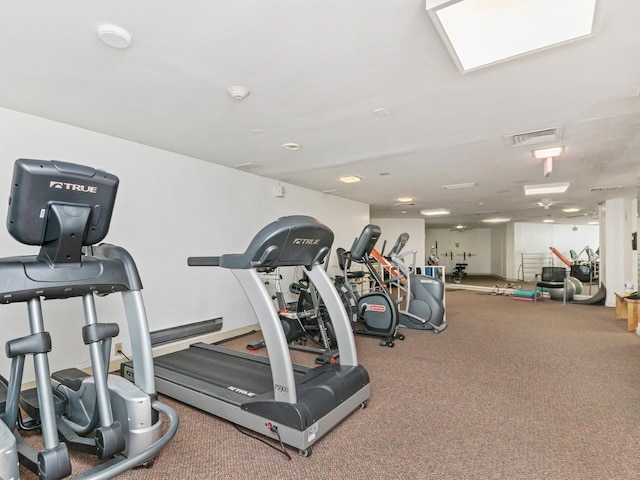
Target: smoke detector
point(238, 93)
point(114, 36)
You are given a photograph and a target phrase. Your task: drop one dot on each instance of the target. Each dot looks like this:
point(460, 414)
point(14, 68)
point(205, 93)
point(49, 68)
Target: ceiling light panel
point(546, 189)
point(455, 186)
point(496, 220)
point(350, 179)
point(439, 211)
point(478, 33)
point(547, 152)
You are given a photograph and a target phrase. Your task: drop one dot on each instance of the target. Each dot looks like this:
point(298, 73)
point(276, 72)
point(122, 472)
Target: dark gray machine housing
point(55, 182)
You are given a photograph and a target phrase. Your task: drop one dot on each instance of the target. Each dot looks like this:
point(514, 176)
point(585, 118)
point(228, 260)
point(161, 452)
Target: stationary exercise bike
point(374, 313)
point(304, 320)
point(423, 295)
point(65, 209)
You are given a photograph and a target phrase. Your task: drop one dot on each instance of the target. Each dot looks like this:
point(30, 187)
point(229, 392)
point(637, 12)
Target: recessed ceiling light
point(405, 199)
point(496, 220)
point(592, 223)
point(546, 189)
point(114, 36)
point(460, 227)
point(478, 33)
point(350, 179)
point(547, 152)
point(439, 211)
point(548, 220)
point(570, 210)
point(291, 146)
point(460, 185)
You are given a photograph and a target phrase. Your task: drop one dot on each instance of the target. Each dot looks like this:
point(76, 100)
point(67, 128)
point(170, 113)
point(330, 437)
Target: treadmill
point(294, 404)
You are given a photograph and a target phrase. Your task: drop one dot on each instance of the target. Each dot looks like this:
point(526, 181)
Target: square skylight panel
point(483, 32)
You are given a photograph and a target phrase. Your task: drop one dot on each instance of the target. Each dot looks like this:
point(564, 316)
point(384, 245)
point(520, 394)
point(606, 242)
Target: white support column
point(615, 246)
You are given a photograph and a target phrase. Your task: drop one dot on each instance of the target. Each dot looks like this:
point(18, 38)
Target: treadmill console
point(289, 241)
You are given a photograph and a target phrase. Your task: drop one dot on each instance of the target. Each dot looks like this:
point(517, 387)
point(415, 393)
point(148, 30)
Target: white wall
point(499, 251)
point(169, 207)
point(472, 247)
point(537, 238)
point(393, 227)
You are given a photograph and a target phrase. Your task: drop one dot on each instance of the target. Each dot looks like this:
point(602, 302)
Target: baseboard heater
point(181, 332)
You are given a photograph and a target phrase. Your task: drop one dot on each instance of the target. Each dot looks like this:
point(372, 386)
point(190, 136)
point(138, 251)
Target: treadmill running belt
point(219, 369)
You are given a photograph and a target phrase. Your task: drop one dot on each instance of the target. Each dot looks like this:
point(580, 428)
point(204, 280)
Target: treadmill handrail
point(284, 386)
point(203, 261)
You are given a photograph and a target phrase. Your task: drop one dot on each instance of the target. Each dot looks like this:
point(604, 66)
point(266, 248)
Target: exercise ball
point(577, 284)
point(558, 293)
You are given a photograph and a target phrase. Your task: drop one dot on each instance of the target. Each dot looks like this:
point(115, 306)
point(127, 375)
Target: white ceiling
point(317, 70)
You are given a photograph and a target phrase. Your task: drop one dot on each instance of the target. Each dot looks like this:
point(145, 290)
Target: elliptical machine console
point(65, 209)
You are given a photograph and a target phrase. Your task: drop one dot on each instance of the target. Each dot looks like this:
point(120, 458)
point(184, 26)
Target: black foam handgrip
point(203, 261)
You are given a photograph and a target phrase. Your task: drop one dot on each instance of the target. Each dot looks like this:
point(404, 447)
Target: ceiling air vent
point(605, 189)
point(247, 167)
point(534, 137)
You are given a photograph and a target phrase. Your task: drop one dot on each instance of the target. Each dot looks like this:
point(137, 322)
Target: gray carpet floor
point(511, 390)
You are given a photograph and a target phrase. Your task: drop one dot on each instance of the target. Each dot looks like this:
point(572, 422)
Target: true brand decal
point(76, 187)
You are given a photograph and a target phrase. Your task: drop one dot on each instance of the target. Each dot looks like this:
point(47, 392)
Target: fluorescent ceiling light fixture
point(439, 211)
point(546, 189)
point(460, 185)
point(570, 210)
point(478, 33)
point(350, 179)
point(496, 220)
point(547, 152)
point(592, 223)
point(460, 227)
point(405, 199)
point(548, 220)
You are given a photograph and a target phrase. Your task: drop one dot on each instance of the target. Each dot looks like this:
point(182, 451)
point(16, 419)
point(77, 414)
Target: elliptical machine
point(63, 208)
point(374, 313)
point(424, 303)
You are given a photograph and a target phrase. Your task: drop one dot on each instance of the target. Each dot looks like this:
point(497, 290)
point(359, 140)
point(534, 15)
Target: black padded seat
point(552, 277)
